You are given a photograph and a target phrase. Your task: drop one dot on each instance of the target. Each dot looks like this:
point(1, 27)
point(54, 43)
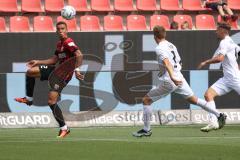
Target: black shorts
point(214, 6)
point(55, 83)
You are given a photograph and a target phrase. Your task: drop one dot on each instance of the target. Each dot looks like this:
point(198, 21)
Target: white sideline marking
point(110, 139)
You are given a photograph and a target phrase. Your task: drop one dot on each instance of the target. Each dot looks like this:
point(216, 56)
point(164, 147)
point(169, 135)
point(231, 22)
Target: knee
point(225, 7)
point(219, 7)
point(208, 96)
point(51, 102)
point(29, 72)
point(147, 100)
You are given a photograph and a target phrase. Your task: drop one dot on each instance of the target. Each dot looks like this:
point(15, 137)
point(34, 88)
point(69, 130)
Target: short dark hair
point(159, 32)
point(224, 25)
point(61, 22)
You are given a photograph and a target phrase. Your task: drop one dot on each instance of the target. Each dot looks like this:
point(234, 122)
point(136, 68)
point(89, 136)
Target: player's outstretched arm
point(79, 59)
point(51, 61)
point(169, 68)
point(217, 59)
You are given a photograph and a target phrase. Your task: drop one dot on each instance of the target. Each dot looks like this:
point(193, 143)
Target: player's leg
point(52, 102)
point(219, 88)
point(163, 89)
point(31, 74)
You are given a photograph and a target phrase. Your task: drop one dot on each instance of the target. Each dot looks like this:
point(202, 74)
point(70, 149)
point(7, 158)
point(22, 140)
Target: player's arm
point(51, 61)
point(217, 59)
point(79, 58)
point(169, 68)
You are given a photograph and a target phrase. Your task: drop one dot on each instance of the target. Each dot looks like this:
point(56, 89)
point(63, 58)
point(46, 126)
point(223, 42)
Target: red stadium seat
point(54, 5)
point(8, 6)
point(101, 5)
point(170, 5)
point(43, 24)
point(160, 20)
point(126, 5)
point(234, 4)
point(2, 25)
point(192, 5)
point(79, 5)
point(147, 5)
point(31, 6)
point(234, 24)
point(182, 18)
point(136, 22)
point(113, 23)
point(90, 23)
point(72, 24)
point(204, 21)
point(19, 24)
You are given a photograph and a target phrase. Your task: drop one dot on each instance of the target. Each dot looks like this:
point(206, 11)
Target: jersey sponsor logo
point(71, 44)
point(62, 55)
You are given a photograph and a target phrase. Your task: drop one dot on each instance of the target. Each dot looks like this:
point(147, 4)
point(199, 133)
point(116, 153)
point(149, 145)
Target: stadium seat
point(147, 5)
point(181, 18)
point(234, 4)
point(8, 6)
point(54, 5)
point(90, 23)
point(43, 24)
point(192, 5)
point(126, 5)
point(113, 23)
point(31, 6)
point(19, 24)
point(101, 5)
point(79, 5)
point(72, 24)
point(160, 20)
point(2, 25)
point(136, 22)
point(234, 24)
point(204, 21)
point(170, 5)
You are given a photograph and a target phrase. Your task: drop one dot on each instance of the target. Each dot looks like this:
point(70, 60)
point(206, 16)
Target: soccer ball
point(68, 12)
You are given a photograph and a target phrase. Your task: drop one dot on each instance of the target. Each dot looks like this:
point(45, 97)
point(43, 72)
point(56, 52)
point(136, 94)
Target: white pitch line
point(110, 139)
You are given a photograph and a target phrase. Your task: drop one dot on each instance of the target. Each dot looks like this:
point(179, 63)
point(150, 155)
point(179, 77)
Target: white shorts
point(223, 86)
point(167, 87)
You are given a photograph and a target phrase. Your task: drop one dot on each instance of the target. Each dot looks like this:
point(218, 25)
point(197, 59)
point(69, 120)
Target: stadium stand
point(43, 24)
point(101, 5)
point(192, 5)
point(126, 5)
point(182, 18)
point(79, 5)
point(2, 25)
point(113, 23)
point(90, 23)
point(147, 5)
point(161, 20)
point(160, 12)
point(31, 6)
point(136, 22)
point(19, 24)
point(204, 21)
point(8, 6)
point(170, 5)
point(54, 5)
point(234, 4)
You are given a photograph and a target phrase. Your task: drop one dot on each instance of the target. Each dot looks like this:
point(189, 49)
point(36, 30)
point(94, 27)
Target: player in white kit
point(227, 53)
point(171, 80)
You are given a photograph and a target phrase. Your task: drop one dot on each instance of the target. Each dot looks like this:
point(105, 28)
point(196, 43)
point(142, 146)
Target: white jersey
point(167, 50)
point(230, 66)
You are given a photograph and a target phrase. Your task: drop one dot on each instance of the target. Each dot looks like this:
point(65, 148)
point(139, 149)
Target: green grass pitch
point(166, 143)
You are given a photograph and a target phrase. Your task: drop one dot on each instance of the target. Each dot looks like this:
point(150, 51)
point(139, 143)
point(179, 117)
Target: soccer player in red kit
point(68, 56)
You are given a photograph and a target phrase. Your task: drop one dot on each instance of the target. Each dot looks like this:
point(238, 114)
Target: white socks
point(29, 98)
point(64, 127)
point(147, 117)
point(208, 106)
point(213, 118)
